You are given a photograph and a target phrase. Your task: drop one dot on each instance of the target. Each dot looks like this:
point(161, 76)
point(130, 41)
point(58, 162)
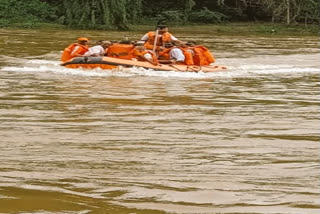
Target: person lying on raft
point(140, 53)
point(129, 50)
point(172, 54)
point(121, 50)
point(200, 54)
point(187, 53)
point(75, 49)
point(98, 50)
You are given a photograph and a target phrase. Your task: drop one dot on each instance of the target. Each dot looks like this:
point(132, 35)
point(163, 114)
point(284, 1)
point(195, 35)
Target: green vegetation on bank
point(234, 28)
point(256, 16)
point(241, 28)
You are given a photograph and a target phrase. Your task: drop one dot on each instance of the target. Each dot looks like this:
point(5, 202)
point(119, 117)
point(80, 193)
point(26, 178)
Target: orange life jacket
point(164, 55)
point(163, 38)
point(188, 55)
point(198, 57)
point(121, 51)
point(67, 53)
point(206, 58)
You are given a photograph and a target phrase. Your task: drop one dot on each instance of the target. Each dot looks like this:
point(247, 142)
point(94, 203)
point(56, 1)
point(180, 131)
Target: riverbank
point(222, 28)
point(257, 29)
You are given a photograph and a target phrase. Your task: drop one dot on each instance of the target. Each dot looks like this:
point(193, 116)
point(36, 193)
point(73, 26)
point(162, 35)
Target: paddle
point(159, 23)
point(155, 40)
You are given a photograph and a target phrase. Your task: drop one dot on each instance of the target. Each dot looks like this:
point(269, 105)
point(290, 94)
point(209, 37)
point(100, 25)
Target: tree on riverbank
point(27, 12)
point(120, 14)
point(101, 13)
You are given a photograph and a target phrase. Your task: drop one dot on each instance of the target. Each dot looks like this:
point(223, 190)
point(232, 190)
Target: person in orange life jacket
point(140, 53)
point(201, 55)
point(98, 50)
point(75, 49)
point(162, 37)
point(188, 46)
point(121, 50)
point(173, 54)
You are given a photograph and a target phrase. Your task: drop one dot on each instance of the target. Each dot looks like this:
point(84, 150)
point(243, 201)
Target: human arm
point(79, 51)
point(144, 37)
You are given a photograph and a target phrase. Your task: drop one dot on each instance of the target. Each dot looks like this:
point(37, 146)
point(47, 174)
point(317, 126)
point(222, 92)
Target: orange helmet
point(83, 39)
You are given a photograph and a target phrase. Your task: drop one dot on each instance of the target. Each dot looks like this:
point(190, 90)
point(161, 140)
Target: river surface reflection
point(245, 140)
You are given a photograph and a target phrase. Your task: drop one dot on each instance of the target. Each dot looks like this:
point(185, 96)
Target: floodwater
point(135, 141)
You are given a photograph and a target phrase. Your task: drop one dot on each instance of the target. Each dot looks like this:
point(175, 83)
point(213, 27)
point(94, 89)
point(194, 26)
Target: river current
point(136, 141)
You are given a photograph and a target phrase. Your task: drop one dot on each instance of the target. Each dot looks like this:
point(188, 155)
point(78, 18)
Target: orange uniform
point(203, 56)
point(162, 38)
point(121, 51)
point(73, 50)
point(165, 55)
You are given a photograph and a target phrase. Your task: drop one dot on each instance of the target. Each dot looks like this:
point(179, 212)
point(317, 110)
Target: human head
point(99, 42)
point(178, 43)
point(168, 45)
point(181, 44)
point(126, 42)
point(161, 26)
point(105, 44)
point(83, 40)
point(163, 29)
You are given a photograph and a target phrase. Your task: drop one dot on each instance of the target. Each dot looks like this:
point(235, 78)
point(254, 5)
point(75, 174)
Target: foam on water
point(237, 68)
point(59, 212)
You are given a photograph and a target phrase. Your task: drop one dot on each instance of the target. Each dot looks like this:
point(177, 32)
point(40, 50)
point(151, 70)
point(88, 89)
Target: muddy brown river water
point(137, 141)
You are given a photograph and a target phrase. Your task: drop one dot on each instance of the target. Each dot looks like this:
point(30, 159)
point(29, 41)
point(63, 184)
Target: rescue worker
point(121, 50)
point(172, 54)
point(142, 54)
point(200, 54)
point(163, 36)
point(75, 49)
point(98, 50)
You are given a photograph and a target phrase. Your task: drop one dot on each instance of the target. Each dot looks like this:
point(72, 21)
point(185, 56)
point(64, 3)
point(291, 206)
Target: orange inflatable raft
point(112, 63)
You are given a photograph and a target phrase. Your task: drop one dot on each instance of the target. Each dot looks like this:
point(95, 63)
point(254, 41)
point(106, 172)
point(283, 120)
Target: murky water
point(244, 140)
